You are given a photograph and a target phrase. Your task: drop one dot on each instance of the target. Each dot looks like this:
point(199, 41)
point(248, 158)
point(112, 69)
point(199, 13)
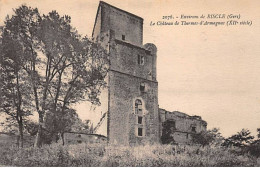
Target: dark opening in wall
point(123, 37)
point(142, 87)
point(168, 129)
point(193, 129)
point(79, 136)
point(140, 120)
point(79, 141)
point(140, 59)
point(140, 131)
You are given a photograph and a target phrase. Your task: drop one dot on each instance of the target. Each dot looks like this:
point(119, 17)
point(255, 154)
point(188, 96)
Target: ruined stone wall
point(185, 125)
point(77, 138)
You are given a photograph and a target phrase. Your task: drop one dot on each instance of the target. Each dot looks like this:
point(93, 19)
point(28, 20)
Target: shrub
point(241, 139)
point(137, 156)
point(209, 137)
point(254, 148)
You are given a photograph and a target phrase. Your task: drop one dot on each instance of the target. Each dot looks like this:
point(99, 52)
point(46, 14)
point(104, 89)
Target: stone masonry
point(180, 126)
point(131, 99)
point(132, 87)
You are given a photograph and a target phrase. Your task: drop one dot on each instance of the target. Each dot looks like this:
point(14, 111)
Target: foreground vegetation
point(148, 155)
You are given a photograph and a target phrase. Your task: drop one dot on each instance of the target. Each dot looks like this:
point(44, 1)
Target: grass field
point(139, 156)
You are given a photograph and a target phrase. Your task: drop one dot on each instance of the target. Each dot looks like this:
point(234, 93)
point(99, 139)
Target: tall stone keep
point(132, 93)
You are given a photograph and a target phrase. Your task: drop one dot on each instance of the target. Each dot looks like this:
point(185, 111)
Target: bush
point(209, 137)
point(254, 148)
point(138, 156)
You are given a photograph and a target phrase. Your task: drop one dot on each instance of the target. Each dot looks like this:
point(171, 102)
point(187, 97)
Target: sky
point(208, 71)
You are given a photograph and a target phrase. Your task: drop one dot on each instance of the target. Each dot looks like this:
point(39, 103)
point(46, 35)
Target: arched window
point(138, 106)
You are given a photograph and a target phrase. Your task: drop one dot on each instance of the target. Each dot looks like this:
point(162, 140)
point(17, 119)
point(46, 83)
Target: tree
point(31, 127)
point(74, 68)
point(61, 67)
point(254, 148)
point(241, 139)
point(15, 89)
point(208, 137)
point(58, 123)
point(86, 127)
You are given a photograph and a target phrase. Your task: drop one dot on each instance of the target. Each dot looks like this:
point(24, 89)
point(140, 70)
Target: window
point(140, 59)
point(79, 136)
point(193, 129)
point(123, 37)
point(187, 136)
point(140, 131)
point(140, 120)
point(138, 106)
point(142, 87)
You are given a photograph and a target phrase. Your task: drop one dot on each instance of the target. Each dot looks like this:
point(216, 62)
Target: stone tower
point(131, 98)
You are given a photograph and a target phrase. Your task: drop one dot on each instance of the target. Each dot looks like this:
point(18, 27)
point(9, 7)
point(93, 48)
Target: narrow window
point(123, 37)
point(136, 108)
point(140, 131)
point(193, 129)
point(142, 87)
point(79, 136)
point(139, 125)
point(140, 59)
point(187, 136)
point(140, 120)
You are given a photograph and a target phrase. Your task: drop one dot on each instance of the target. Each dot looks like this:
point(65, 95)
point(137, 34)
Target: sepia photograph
point(130, 83)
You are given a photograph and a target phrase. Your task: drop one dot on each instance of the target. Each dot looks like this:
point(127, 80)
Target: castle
point(131, 99)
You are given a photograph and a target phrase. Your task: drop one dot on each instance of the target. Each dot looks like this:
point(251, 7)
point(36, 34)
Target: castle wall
point(185, 125)
point(124, 90)
point(132, 93)
point(121, 33)
point(121, 22)
point(124, 58)
point(77, 138)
